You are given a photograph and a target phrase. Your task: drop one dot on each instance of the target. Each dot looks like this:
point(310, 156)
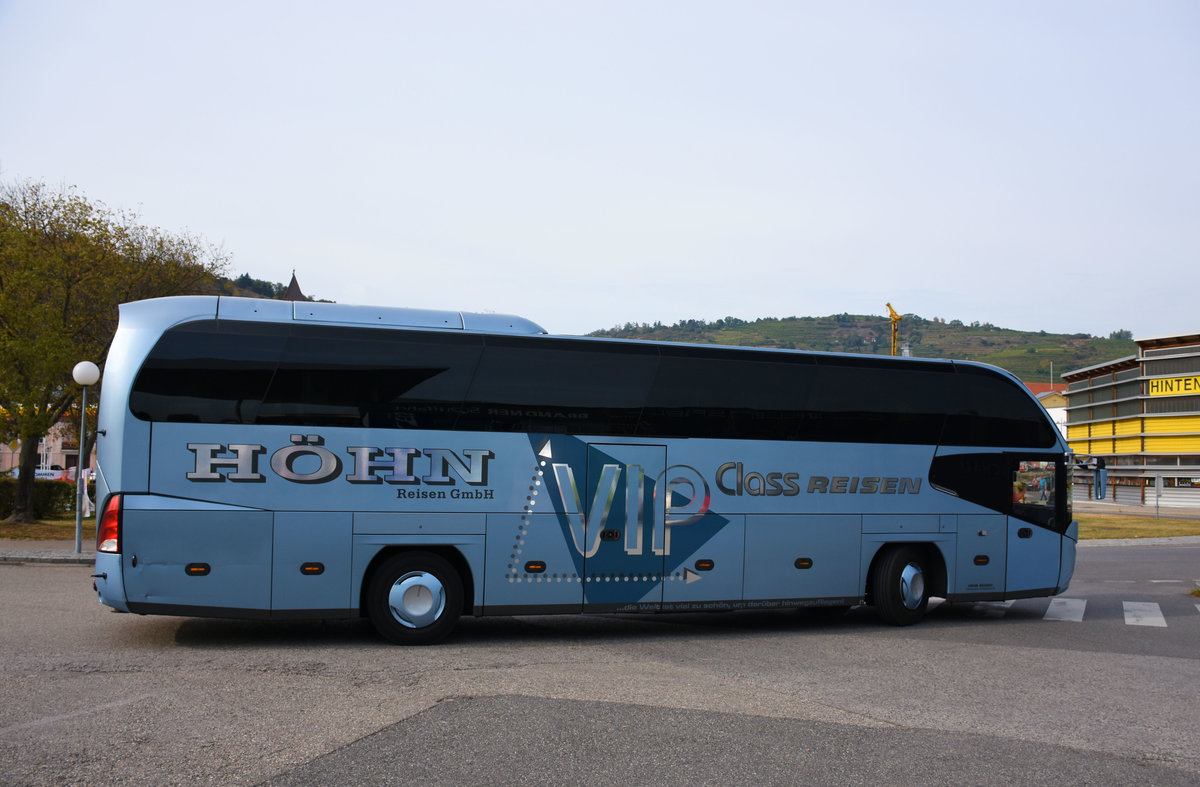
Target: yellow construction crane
point(895, 327)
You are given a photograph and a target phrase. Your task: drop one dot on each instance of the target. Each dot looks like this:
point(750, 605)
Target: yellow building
point(1141, 415)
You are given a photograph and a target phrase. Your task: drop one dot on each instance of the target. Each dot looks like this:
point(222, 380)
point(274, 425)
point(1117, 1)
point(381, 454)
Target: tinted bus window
point(208, 372)
point(1020, 485)
point(559, 386)
point(878, 401)
point(372, 378)
point(992, 410)
point(305, 375)
point(728, 394)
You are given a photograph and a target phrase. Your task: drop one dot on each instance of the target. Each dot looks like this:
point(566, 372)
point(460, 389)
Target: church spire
point(292, 293)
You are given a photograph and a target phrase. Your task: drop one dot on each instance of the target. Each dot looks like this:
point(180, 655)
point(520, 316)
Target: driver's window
point(1033, 492)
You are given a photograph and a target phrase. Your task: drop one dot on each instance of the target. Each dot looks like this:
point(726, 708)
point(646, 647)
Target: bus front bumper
point(1066, 566)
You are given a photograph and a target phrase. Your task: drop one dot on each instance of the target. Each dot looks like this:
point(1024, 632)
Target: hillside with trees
point(1033, 356)
point(245, 286)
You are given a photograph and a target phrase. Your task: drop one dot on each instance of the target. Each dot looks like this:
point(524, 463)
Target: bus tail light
point(108, 533)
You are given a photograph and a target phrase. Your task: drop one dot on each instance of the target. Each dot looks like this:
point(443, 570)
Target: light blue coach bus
point(270, 459)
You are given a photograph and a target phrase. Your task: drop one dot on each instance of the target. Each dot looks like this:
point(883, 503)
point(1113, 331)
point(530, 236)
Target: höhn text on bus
point(271, 459)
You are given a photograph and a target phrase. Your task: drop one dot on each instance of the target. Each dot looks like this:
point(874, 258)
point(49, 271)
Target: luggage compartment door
point(208, 559)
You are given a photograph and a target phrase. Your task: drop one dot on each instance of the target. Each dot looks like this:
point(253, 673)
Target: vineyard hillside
point(1033, 356)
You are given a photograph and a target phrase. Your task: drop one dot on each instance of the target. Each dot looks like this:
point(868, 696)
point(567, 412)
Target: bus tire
point(414, 598)
point(900, 585)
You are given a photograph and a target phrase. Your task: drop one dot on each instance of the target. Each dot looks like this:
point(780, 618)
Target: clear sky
point(584, 164)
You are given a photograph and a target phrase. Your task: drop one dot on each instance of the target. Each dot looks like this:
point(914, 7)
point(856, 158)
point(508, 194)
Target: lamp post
point(85, 373)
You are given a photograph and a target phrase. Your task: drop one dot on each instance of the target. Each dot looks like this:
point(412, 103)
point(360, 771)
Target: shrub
point(50, 498)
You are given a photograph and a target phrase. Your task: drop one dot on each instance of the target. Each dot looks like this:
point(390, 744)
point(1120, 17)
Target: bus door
point(624, 541)
point(1034, 542)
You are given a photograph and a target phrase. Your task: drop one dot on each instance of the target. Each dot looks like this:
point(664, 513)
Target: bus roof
point(165, 312)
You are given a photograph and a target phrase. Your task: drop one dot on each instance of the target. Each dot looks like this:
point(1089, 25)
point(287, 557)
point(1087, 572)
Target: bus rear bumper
point(108, 581)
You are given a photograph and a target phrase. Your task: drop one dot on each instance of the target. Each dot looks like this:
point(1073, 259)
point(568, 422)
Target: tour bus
point(277, 459)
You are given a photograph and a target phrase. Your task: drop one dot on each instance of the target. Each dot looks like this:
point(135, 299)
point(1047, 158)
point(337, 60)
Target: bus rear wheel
point(414, 598)
point(899, 586)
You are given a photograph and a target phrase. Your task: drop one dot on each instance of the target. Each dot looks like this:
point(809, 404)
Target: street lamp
point(85, 373)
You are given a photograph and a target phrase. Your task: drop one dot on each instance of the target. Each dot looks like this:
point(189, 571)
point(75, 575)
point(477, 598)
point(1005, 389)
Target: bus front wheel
point(899, 586)
point(414, 598)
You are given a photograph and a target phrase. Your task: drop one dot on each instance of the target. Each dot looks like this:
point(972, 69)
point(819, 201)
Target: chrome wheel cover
point(912, 586)
point(417, 599)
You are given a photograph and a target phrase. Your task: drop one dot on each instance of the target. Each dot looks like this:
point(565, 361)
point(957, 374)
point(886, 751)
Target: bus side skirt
point(1002, 596)
point(238, 613)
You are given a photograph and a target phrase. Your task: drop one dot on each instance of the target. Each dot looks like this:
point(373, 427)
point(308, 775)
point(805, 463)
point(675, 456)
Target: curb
point(1140, 542)
point(72, 558)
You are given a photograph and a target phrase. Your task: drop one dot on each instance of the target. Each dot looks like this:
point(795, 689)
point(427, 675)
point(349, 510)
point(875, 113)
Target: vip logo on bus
point(308, 461)
point(669, 506)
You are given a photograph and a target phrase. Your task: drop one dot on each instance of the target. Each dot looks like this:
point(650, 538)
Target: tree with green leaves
point(65, 265)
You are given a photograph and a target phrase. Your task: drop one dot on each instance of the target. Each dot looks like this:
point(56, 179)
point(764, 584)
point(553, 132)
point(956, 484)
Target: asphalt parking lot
point(984, 694)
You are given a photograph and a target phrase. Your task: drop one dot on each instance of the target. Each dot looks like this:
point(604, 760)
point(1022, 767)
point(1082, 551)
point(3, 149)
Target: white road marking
point(1143, 613)
point(1068, 609)
point(65, 716)
point(1137, 613)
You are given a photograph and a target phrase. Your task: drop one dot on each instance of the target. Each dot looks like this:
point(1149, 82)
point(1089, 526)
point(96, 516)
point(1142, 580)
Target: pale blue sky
point(584, 164)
